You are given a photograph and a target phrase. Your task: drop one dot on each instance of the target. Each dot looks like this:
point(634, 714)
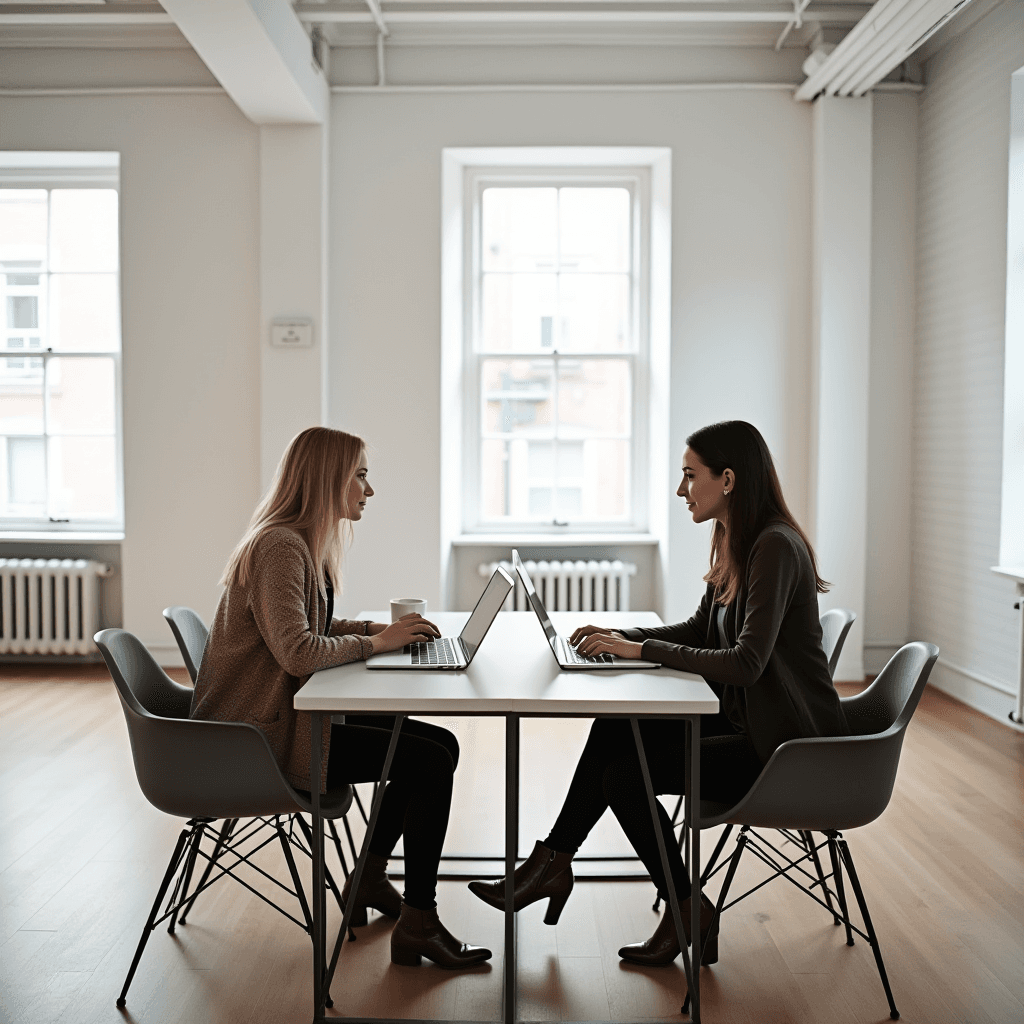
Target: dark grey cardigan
point(768, 669)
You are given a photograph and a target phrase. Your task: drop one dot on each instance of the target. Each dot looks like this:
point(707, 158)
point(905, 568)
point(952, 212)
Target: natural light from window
point(59, 356)
point(556, 340)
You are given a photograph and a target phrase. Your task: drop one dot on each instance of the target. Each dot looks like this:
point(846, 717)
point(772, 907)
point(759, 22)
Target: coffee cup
point(406, 606)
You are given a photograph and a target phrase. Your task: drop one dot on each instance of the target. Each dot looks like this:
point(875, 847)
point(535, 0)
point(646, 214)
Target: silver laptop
point(565, 654)
point(452, 652)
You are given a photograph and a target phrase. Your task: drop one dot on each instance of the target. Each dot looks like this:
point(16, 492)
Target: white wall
point(190, 164)
point(961, 270)
point(741, 241)
point(190, 241)
point(890, 388)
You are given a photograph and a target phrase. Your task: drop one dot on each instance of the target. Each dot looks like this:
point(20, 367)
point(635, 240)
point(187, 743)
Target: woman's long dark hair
point(755, 501)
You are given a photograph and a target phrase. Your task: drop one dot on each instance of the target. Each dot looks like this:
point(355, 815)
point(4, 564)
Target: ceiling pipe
point(859, 37)
point(799, 6)
point(914, 35)
point(378, 17)
point(837, 15)
point(878, 45)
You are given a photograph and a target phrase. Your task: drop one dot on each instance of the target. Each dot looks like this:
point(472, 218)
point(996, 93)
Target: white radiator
point(49, 606)
point(571, 586)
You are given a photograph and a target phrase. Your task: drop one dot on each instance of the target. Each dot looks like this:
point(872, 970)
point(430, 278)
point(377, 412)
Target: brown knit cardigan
point(266, 641)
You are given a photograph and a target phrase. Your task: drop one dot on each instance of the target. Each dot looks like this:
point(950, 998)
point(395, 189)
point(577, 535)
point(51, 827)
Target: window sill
point(61, 537)
point(554, 540)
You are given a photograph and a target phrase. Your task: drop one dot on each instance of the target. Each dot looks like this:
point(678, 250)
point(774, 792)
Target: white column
point(842, 336)
point(293, 274)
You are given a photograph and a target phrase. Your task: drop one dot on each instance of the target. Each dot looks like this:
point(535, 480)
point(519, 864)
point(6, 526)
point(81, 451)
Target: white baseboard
point(166, 655)
point(990, 697)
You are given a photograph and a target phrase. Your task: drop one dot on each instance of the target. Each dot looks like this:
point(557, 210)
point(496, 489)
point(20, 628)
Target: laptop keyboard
point(435, 652)
point(573, 656)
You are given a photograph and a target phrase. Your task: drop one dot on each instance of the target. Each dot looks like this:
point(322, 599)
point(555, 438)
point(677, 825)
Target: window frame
point(637, 181)
point(78, 171)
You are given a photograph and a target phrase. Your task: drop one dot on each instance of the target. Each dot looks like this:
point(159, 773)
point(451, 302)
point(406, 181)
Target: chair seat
point(335, 803)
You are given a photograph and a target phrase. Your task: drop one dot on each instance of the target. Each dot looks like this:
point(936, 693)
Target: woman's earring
point(725, 492)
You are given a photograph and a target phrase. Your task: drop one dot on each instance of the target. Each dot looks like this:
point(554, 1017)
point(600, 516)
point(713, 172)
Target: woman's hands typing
point(594, 640)
point(409, 629)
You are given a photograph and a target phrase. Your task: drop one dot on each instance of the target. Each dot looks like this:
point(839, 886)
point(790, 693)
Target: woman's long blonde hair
point(308, 495)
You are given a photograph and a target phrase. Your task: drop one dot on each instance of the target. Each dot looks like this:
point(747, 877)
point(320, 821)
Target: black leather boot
point(663, 946)
point(419, 933)
point(545, 874)
point(375, 890)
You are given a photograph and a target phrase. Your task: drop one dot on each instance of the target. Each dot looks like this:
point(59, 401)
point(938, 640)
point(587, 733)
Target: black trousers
point(418, 796)
point(609, 775)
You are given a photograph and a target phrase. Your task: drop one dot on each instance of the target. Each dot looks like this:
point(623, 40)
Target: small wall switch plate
point(294, 332)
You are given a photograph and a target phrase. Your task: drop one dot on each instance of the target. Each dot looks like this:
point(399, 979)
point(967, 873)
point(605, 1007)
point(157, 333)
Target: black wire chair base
point(234, 848)
point(803, 870)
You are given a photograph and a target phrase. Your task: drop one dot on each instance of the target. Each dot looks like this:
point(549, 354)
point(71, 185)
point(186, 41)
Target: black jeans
point(609, 775)
point(418, 796)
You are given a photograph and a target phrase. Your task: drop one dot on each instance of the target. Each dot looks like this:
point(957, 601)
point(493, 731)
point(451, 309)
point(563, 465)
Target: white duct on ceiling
point(882, 40)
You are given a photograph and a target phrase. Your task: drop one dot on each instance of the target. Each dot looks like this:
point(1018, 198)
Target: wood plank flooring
point(82, 853)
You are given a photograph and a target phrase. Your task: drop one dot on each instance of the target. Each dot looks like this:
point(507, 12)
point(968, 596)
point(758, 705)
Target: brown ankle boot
point(545, 874)
point(375, 890)
point(663, 946)
point(419, 933)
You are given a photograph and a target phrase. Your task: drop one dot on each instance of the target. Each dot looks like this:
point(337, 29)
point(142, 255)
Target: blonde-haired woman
point(274, 628)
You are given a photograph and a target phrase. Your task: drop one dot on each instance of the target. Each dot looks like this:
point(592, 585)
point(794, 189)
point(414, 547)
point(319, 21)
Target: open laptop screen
point(535, 601)
point(486, 608)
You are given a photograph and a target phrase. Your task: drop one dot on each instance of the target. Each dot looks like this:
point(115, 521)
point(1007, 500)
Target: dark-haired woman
point(755, 638)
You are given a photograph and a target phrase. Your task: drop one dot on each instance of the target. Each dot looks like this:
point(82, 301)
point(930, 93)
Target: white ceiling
point(440, 22)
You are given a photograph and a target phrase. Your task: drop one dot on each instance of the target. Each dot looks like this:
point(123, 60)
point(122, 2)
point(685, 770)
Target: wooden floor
point(81, 855)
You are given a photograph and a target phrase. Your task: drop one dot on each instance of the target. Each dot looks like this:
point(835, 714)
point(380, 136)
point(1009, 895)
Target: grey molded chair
point(835, 627)
point(827, 784)
point(204, 771)
point(191, 634)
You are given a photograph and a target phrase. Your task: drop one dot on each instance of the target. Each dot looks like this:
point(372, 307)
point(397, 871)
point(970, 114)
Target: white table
point(513, 675)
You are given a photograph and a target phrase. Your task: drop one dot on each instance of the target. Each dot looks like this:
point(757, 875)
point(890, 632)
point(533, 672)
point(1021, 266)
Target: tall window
point(60, 447)
point(556, 352)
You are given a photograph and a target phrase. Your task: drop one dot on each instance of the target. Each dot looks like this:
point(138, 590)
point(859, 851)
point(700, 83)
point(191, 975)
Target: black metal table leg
point(689, 964)
point(319, 906)
point(357, 871)
point(511, 851)
point(693, 827)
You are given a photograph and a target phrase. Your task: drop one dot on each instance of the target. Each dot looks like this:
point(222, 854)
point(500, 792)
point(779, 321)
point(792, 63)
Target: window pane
point(81, 396)
point(517, 397)
point(22, 226)
point(21, 395)
point(84, 312)
point(26, 476)
point(519, 228)
point(494, 483)
point(593, 397)
point(518, 313)
point(594, 313)
point(22, 310)
point(83, 480)
point(595, 228)
point(84, 230)
point(606, 480)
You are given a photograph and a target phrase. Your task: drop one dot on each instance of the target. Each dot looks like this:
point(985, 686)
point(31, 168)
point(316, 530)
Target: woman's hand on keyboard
point(409, 629)
point(591, 641)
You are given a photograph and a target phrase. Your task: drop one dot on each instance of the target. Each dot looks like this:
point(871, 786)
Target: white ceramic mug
point(407, 605)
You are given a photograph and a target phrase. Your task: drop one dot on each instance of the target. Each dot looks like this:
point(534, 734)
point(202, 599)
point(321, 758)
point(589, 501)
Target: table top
point(513, 671)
